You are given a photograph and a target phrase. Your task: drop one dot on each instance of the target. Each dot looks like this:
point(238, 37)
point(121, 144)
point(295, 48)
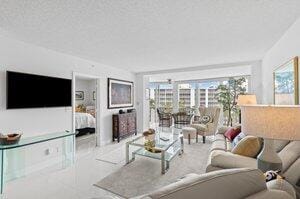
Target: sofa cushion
point(270, 194)
point(280, 144)
point(218, 145)
point(292, 175)
point(228, 160)
point(228, 145)
point(219, 137)
point(249, 146)
point(289, 154)
point(232, 133)
point(222, 129)
point(283, 185)
point(215, 185)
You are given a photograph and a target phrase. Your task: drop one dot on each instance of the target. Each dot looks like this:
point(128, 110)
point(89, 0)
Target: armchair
point(182, 119)
point(165, 117)
point(210, 128)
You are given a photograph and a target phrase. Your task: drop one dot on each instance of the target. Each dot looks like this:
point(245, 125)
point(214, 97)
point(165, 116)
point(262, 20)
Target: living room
point(181, 58)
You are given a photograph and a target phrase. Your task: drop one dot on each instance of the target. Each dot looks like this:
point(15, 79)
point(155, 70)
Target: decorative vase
point(150, 141)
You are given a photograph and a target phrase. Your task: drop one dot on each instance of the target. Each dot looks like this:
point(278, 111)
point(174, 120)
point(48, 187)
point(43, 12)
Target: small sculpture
point(150, 141)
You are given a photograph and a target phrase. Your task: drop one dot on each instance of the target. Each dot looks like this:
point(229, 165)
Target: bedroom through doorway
point(85, 112)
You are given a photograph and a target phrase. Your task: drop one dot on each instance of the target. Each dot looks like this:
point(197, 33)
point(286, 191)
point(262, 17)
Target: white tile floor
point(75, 182)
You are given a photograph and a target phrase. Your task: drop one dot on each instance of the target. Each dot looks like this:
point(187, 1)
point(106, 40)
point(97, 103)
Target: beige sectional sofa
point(222, 158)
point(228, 183)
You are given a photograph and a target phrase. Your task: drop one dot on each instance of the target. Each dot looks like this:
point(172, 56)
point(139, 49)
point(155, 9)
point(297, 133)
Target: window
point(161, 95)
point(191, 94)
point(186, 95)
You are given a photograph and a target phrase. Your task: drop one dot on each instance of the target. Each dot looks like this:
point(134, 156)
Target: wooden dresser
point(123, 125)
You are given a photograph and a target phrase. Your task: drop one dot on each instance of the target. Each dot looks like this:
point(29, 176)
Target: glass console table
point(11, 153)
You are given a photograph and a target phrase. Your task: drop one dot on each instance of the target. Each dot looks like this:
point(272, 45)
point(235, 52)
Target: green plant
point(227, 95)
point(181, 104)
point(152, 104)
point(169, 105)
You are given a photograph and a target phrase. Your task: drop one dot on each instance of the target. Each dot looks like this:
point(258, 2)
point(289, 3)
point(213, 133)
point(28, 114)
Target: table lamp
point(245, 99)
point(271, 123)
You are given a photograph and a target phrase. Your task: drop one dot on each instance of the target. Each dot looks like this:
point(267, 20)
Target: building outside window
point(191, 94)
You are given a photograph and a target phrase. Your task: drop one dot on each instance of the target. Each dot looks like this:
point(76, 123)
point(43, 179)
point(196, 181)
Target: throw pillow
point(237, 139)
point(205, 119)
point(231, 133)
point(249, 146)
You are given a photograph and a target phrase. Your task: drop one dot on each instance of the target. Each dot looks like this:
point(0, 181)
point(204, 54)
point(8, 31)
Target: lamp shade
point(273, 122)
point(246, 99)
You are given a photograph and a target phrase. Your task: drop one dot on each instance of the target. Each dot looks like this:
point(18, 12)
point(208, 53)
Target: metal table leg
point(2, 171)
point(127, 153)
point(167, 165)
point(182, 144)
point(163, 161)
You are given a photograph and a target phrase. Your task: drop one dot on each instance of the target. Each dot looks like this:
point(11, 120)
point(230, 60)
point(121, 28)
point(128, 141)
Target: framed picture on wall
point(120, 93)
point(286, 83)
point(79, 95)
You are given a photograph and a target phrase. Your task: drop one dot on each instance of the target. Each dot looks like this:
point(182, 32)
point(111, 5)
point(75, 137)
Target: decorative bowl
point(11, 138)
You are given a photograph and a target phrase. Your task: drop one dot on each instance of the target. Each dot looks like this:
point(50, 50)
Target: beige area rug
point(114, 157)
point(144, 174)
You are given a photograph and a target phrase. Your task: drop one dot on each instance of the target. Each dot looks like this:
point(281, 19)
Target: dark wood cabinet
point(123, 125)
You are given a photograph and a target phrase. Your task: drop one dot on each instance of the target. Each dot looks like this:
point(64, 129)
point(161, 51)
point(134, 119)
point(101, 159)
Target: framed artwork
point(94, 95)
point(120, 93)
point(79, 95)
point(286, 83)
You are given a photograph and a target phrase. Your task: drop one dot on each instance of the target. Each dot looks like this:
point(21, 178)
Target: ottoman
point(189, 133)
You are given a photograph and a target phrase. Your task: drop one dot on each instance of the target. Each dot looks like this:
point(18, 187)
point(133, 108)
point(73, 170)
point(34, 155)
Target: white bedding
point(84, 120)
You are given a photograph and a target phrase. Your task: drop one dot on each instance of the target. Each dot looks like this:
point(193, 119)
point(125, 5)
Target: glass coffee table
point(169, 143)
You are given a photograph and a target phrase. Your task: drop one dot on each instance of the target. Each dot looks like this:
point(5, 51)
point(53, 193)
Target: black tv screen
point(36, 91)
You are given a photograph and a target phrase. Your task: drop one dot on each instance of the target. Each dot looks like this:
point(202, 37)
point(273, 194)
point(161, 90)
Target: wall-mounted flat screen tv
point(36, 91)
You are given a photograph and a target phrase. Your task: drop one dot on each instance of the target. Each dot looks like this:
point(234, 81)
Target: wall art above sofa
point(286, 83)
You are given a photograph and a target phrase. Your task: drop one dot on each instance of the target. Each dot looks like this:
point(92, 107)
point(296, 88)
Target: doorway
point(86, 116)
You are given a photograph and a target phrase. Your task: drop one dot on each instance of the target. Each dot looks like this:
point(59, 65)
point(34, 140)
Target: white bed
point(84, 120)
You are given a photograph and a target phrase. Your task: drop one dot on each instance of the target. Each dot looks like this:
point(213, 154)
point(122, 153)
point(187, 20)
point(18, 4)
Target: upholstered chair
point(206, 128)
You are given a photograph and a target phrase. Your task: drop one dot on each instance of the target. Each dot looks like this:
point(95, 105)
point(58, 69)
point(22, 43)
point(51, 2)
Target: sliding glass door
point(161, 96)
point(190, 96)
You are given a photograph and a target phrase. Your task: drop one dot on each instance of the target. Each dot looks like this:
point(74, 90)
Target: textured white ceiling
point(148, 35)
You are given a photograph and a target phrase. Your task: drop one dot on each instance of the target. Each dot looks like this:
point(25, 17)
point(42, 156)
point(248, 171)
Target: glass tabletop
point(37, 139)
point(164, 138)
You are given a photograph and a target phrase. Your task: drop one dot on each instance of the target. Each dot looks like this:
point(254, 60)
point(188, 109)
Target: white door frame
point(97, 104)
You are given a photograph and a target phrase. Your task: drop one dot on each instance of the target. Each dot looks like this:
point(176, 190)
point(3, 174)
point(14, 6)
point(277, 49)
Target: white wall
point(285, 49)
point(23, 57)
point(88, 87)
point(256, 80)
